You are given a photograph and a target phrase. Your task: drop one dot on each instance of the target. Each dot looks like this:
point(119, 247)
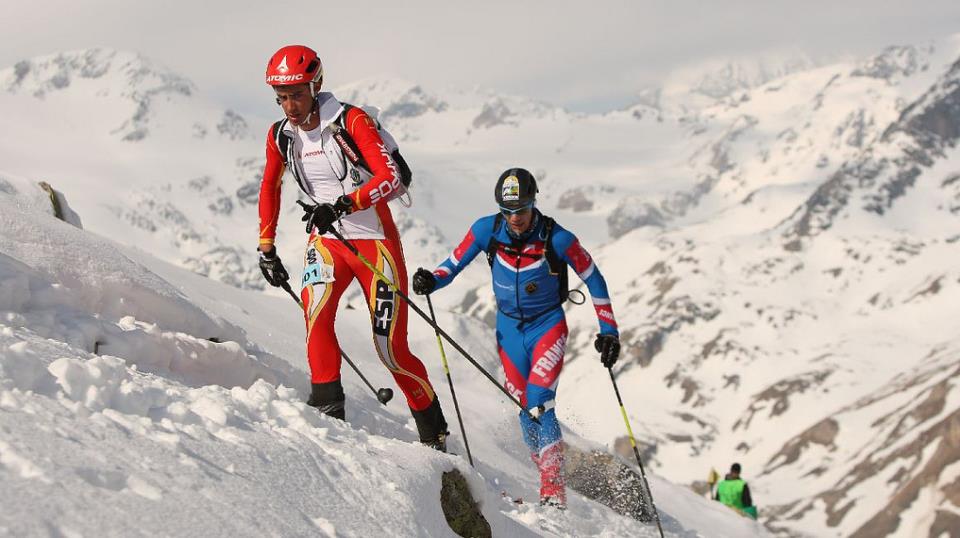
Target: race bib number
point(317, 273)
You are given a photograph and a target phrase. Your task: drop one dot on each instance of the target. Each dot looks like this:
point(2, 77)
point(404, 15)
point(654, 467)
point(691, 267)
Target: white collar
point(329, 110)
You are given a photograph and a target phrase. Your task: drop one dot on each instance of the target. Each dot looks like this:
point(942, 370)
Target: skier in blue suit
point(528, 254)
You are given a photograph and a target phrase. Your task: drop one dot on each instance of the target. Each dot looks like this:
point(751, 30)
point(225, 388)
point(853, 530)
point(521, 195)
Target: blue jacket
point(522, 282)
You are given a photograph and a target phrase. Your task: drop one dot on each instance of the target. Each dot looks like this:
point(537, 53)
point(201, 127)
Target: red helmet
point(295, 64)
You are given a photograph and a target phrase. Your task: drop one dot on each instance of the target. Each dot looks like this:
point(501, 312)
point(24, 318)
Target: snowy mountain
point(728, 78)
point(121, 78)
point(177, 168)
point(779, 251)
point(799, 315)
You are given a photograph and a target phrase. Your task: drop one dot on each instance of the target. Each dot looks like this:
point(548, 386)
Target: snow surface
point(119, 416)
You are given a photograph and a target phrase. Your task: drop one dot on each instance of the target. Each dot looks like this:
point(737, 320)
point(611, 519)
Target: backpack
point(350, 151)
point(557, 267)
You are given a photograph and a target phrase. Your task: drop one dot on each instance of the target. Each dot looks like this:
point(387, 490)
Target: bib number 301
point(317, 273)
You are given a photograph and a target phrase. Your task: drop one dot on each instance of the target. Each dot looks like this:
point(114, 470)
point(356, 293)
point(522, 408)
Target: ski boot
point(553, 491)
point(432, 426)
point(553, 502)
point(439, 443)
point(328, 398)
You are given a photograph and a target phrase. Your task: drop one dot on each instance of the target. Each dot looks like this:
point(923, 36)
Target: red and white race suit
point(324, 174)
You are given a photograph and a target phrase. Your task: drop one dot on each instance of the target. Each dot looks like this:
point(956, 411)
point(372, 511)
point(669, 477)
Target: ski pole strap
point(539, 410)
point(363, 259)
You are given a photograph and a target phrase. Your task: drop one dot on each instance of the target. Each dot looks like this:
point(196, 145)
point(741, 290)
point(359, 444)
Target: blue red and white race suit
point(531, 326)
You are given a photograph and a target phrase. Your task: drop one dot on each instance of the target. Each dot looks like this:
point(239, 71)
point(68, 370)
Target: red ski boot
point(552, 490)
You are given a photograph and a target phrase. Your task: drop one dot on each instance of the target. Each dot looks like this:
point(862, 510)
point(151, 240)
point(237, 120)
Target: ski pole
point(384, 394)
point(363, 259)
point(636, 452)
point(453, 394)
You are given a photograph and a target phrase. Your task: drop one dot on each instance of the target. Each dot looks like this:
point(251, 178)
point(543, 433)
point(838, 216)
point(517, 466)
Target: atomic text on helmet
point(284, 78)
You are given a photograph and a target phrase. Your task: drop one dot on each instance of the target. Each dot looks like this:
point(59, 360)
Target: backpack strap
point(281, 139)
point(493, 243)
point(557, 267)
point(343, 139)
point(406, 175)
point(285, 145)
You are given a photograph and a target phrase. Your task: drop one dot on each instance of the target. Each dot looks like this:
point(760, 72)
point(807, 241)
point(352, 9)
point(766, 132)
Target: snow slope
point(120, 416)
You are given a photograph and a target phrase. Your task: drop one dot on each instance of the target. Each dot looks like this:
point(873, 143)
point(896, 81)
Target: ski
point(510, 498)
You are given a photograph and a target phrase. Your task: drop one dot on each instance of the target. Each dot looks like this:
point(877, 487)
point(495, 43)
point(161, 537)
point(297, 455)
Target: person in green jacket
point(735, 493)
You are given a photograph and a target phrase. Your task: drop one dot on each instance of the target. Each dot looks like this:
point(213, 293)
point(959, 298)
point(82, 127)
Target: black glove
point(323, 216)
point(609, 347)
point(424, 282)
point(272, 268)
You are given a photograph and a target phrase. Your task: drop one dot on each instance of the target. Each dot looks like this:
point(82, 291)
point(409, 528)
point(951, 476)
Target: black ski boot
point(328, 398)
point(432, 426)
point(439, 443)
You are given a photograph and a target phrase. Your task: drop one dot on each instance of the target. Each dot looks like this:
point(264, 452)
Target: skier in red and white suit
point(354, 200)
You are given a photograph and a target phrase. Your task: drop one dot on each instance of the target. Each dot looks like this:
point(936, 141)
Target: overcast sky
point(587, 56)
